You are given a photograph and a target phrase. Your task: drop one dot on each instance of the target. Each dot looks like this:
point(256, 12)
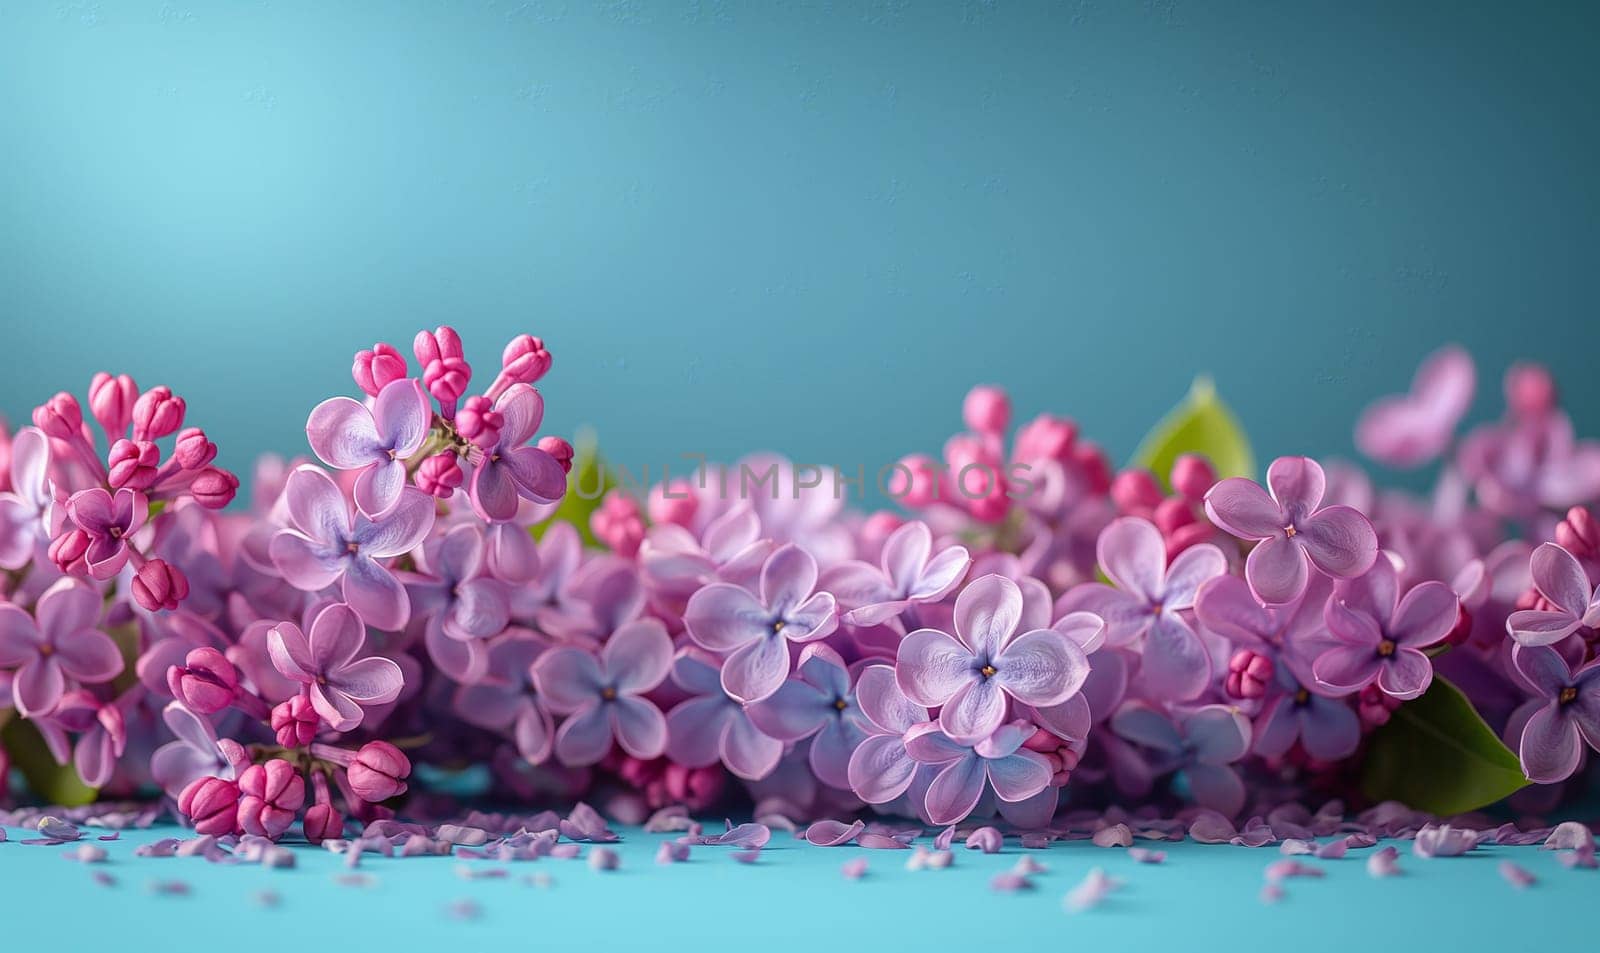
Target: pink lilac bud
point(295, 722)
point(193, 450)
point(986, 410)
point(618, 524)
point(1463, 628)
point(878, 527)
point(914, 481)
point(1530, 390)
point(273, 794)
point(1093, 466)
point(159, 585)
point(1374, 705)
point(1192, 476)
point(67, 550)
point(1249, 674)
point(439, 475)
point(445, 371)
point(374, 369)
point(524, 360)
point(214, 488)
point(379, 772)
point(60, 417)
point(695, 788)
point(323, 822)
point(1578, 534)
point(560, 449)
point(133, 464)
point(111, 401)
point(1062, 756)
point(1045, 438)
point(211, 805)
point(1135, 492)
point(157, 413)
point(1183, 537)
point(206, 681)
point(673, 503)
point(479, 422)
point(1173, 514)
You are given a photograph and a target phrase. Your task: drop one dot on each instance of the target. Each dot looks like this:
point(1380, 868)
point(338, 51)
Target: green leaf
point(55, 784)
point(1202, 424)
point(1436, 754)
point(587, 485)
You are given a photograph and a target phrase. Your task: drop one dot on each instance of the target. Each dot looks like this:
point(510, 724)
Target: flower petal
point(585, 737)
point(1426, 615)
point(941, 574)
point(538, 477)
point(522, 408)
point(376, 594)
point(337, 634)
point(400, 530)
point(905, 552)
point(1134, 557)
point(1550, 748)
point(1041, 668)
point(37, 687)
point(1348, 668)
point(787, 579)
point(1143, 725)
point(316, 506)
point(747, 752)
point(722, 617)
point(492, 492)
point(89, 656)
point(1560, 578)
point(640, 729)
point(342, 434)
point(1543, 667)
point(1244, 509)
point(567, 679)
point(880, 770)
point(1019, 776)
point(1407, 674)
point(378, 487)
point(1217, 734)
point(986, 614)
point(290, 652)
point(976, 710)
point(1126, 616)
point(1297, 484)
point(1191, 568)
point(1329, 729)
point(884, 703)
point(402, 417)
point(756, 669)
point(931, 666)
point(638, 656)
point(695, 729)
point(955, 791)
point(306, 564)
point(1216, 787)
point(1537, 627)
point(1276, 570)
point(1340, 540)
point(370, 681)
point(1175, 665)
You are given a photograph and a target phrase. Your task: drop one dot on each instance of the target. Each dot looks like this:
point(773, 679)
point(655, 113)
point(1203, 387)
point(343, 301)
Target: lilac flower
point(1408, 430)
point(510, 469)
point(1380, 637)
point(326, 545)
point(756, 631)
point(110, 520)
point(712, 726)
point(907, 575)
point(880, 768)
point(27, 513)
point(196, 753)
point(452, 592)
point(1522, 466)
point(1301, 710)
point(102, 735)
point(1562, 716)
point(347, 435)
point(998, 761)
point(1202, 745)
point(1149, 599)
point(59, 641)
point(675, 563)
point(341, 685)
point(602, 699)
point(1293, 527)
point(1000, 652)
point(1564, 584)
point(817, 703)
point(502, 698)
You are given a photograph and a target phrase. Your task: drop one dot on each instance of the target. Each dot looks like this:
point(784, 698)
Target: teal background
point(805, 226)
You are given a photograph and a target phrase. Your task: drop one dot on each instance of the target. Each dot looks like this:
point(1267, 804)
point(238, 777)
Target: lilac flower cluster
point(421, 599)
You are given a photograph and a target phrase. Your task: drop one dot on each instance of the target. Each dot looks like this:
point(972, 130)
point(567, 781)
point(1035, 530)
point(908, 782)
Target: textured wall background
point(805, 226)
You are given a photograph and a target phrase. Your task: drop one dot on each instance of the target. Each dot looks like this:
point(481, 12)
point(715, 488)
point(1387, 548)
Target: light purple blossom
point(880, 768)
point(194, 753)
point(327, 545)
point(1379, 637)
point(1563, 715)
point(1294, 529)
point(755, 631)
point(27, 510)
point(998, 762)
point(1202, 744)
point(1574, 605)
point(341, 685)
point(1522, 466)
point(375, 441)
point(110, 520)
point(61, 640)
point(817, 703)
point(459, 602)
point(908, 574)
point(511, 469)
point(1151, 599)
point(602, 698)
point(1410, 429)
point(711, 726)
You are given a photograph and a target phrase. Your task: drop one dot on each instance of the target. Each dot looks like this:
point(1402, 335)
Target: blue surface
point(801, 226)
point(1203, 898)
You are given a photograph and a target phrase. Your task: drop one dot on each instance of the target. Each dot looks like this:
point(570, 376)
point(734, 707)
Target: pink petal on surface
point(1144, 855)
point(831, 833)
point(854, 869)
point(987, 839)
point(1385, 862)
point(1569, 835)
point(1516, 875)
point(1117, 835)
point(1009, 882)
point(1091, 892)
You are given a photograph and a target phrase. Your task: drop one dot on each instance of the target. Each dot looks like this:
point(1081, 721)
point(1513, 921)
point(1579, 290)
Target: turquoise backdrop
point(808, 226)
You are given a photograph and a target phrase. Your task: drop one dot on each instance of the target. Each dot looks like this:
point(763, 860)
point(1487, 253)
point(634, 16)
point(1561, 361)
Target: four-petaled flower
point(756, 631)
point(510, 469)
point(1574, 605)
point(1563, 715)
point(1378, 636)
point(326, 545)
point(818, 704)
point(341, 685)
point(1202, 745)
point(347, 435)
point(908, 574)
point(880, 768)
point(60, 640)
point(998, 761)
point(712, 726)
point(999, 652)
point(602, 698)
point(27, 513)
point(110, 520)
point(1293, 527)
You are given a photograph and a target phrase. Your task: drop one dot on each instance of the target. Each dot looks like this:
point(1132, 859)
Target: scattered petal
point(1144, 855)
point(1385, 862)
point(854, 869)
point(986, 839)
point(1091, 892)
point(1117, 835)
point(1517, 875)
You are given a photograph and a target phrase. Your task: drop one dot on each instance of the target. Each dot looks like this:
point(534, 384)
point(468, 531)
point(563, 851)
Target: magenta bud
point(60, 417)
point(214, 488)
point(1045, 438)
point(440, 344)
point(439, 475)
point(1135, 491)
point(1530, 390)
point(618, 524)
point(673, 502)
point(206, 681)
point(1094, 467)
point(295, 722)
point(159, 585)
point(67, 549)
point(157, 413)
point(273, 793)
point(986, 410)
point(375, 369)
point(1192, 476)
point(447, 380)
point(379, 772)
point(322, 823)
point(193, 450)
point(560, 449)
point(111, 400)
point(1249, 674)
point(133, 464)
point(211, 805)
point(1173, 514)
point(479, 422)
point(525, 359)
point(1578, 534)
point(914, 481)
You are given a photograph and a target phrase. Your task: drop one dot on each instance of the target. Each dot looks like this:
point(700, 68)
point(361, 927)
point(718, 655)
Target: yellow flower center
point(1386, 648)
point(988, 671)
